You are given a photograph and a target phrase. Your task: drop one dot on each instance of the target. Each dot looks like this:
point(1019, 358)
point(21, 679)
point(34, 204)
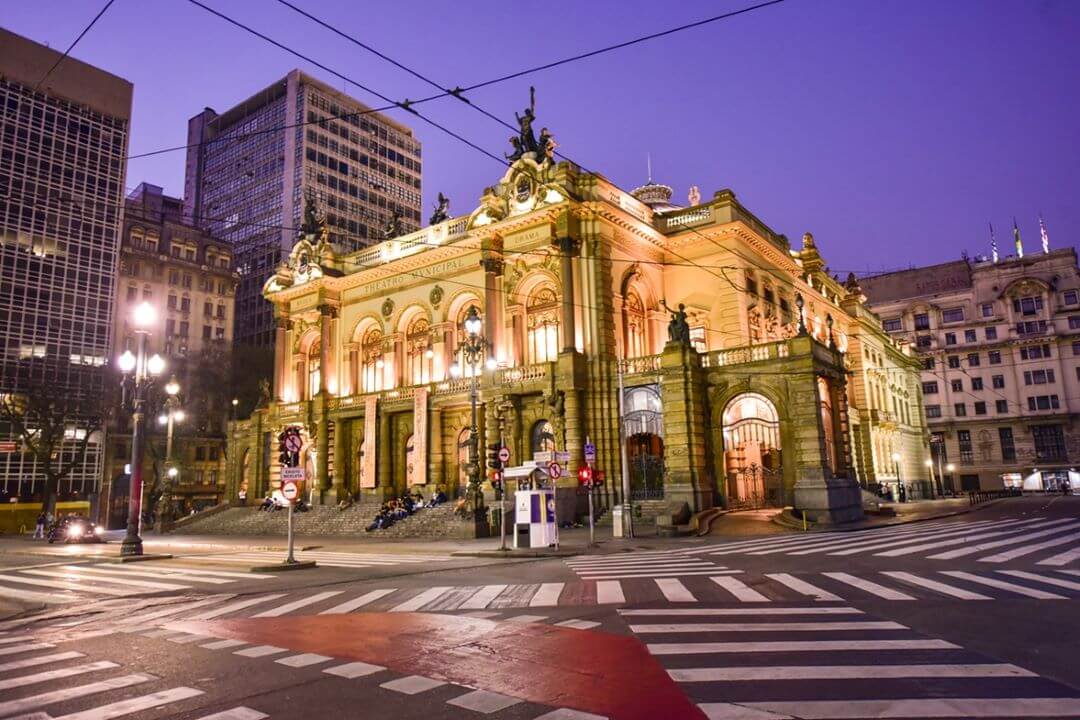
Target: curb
point(301, 565)
point(510, 554)
point(842, 528)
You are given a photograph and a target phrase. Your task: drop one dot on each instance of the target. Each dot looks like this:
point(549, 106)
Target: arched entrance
point(644, 427)
point(752, 460)
point(245, 475)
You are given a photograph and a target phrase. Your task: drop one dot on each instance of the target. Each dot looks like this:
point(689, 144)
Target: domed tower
point(656, 196)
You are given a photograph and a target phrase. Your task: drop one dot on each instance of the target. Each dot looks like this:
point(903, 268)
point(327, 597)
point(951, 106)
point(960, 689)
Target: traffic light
point(493, 461)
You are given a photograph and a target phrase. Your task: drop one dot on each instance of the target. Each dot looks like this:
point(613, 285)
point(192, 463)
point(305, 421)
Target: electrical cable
point(75, 42)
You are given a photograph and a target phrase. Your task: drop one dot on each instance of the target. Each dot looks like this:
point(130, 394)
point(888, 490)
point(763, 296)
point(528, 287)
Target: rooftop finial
point(1044, 235)
point(648, 163)
point(993, 244)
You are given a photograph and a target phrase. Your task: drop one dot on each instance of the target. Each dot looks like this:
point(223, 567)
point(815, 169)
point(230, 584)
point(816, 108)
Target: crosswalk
point(62, 584)
point(1049, 543)
point(814, 662)
point(327, 558)
point(642, 564)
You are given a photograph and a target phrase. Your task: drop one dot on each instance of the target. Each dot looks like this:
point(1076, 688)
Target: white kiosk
point(534, 506)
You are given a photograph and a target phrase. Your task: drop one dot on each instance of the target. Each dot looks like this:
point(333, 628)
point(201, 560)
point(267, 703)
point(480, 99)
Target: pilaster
point(682, 388)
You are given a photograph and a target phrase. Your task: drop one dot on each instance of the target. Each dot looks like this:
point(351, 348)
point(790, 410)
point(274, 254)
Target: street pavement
point(968, 616)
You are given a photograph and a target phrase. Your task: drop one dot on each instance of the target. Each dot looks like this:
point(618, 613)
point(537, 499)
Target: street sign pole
point(290, 560)
point(590, 458)
point(504, 457)
point(592, 527)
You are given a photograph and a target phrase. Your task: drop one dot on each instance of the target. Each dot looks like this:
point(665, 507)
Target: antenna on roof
point(648, 162)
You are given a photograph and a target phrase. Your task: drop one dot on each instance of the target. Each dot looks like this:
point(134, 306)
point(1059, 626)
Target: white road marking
point(773, 673)
point(921, 537)
point(741, 591)
point(412, 685)
point(38, 597)
point(578, 624)
point(140, 618)
point(223, 644)
point(482, 597)
point(74, 585)
point(739, 627)
point(297, 604)
point(547, 595)
point(936, 586)
point(867, 586)
point(34, 702)
point(22, 680)
point(526, 618)
point(353, 670)
point(415, 603)
point(28, 647)
point(1063, 559)
point(923, 707)
point(1042, 578)
point(609, 591)
point(303, 660)
point(482, 701)
point(236, 713)
point(1028, 549)
point(801, 586)
point(1001, 584)
point(743, 611)
point(234, 607)
point(39, 660)
point(568, 714)
point(134, 705)
point(798, 646)
point(674, 591)
point(259, 651)
point(963, 539)
point(1014, 540)
point(365, 599)
point(122, 572)
point(74, 572)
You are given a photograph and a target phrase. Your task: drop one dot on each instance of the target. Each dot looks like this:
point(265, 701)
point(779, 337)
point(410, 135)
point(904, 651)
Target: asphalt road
point(970, 616)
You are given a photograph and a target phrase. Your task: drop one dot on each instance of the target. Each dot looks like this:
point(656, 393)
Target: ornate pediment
point(311, 258)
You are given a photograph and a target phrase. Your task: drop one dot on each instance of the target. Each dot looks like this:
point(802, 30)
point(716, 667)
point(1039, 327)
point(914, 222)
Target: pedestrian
point(903, 493)
point(39, 528)
point(243, 497)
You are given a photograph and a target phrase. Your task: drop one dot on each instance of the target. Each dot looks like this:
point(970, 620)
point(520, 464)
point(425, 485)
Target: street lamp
point(140, 371)
point(930, 467)
point(899, 485)
point(472, 350)
point(171, 415)
point(235, 403)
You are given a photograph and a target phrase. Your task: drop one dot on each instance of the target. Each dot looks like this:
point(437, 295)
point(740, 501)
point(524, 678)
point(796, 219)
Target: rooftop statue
point(442, 211)
point(312, 224)
point(526, 141)
point(393, 228)
point(678, 328)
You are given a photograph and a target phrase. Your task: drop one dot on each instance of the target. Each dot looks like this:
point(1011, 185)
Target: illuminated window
point(634, 321)
point(314, 368)
point(371, 368)
point(418, 349)
point(542, 310)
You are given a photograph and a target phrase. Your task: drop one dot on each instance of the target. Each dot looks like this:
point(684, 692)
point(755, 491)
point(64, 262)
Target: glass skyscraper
point(62, 148)
point(248, 170)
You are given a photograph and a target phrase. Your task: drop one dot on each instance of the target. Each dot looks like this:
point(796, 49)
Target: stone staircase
point(432, 523)
point(319, 520)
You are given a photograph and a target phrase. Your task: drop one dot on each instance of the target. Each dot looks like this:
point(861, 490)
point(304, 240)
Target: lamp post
point(172, 414)
point(472, 350)
point(930, 466)
point(235, 403)
point(899, 484)
point(951, 469)
point(140, 371)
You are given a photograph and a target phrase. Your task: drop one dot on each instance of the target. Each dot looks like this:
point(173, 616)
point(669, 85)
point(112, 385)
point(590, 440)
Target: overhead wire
point(74, 42)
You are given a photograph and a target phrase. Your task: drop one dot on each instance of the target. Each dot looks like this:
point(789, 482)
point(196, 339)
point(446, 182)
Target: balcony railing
point(640, 365)
point(747, 354)
point(527, 373)
point(687, 218)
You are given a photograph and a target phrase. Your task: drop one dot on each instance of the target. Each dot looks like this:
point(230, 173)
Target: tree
point(55, 428)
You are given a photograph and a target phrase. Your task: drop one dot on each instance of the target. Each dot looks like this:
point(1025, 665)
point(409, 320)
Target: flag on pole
point(993, 243)
point(1016, 239)
point(1042, 232)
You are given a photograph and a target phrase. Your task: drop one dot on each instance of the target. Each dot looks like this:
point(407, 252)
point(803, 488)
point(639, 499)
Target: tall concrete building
point(62, 147)
point(1000, 346)
point(250, 167)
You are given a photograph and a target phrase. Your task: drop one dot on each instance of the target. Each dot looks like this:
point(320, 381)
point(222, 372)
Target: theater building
point(781, 387)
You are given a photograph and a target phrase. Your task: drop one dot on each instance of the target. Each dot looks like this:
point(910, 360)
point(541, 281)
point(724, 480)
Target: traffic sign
point(542, 457)
point(590, 452)
point(504, 454)
point(562, 456)
point(555, 471)
point(292, 474)
point(290, 490)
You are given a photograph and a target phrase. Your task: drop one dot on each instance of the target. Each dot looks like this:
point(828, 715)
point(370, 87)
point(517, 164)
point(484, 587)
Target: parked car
point(75, 529)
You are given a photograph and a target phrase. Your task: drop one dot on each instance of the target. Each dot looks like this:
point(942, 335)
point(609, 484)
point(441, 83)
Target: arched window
point(752, 456)
point(459, 330)
point(542, 321)
point(314, 368)
point(634, 322)
point(542, 437)
point(371, 362)
point(418, 351)
point(827, 426)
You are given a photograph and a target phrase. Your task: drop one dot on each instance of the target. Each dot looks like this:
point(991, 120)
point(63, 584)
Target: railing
point(882, 416)
point(290, 409)
point(451, 387)
point(686, 218)
point(414, 242)
point(977, 496)
point(509, 376)
point(637, 365)
point(399, 393)
point(747, 354)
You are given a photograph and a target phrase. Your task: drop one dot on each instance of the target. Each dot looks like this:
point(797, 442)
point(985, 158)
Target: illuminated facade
point(247, 176)
point(62, 150)
point(1000, 347)
point(571, 275)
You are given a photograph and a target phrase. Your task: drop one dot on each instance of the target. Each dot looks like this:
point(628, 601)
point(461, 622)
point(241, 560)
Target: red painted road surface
point(596, 672)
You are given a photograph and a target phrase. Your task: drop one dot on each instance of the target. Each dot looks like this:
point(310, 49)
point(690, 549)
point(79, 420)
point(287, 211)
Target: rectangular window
point(1031, 327)
point(1043, 402)
point(183, 328)
point(923, 341)
point(1049, 443)
point(1001, 406)
point(957, 385)
point(893, 325)
point(174, 277)
point(928, 363)
point(973, 359)
point(954, 361)
point(220, 312)
point(219, 333)
point(187, 281)
point(997, 381)
point(951, 315)
point(1074, 322)
point(988, 310)
point(185, 305)
point(969, 336)
point(1076, 348)
point(1028, 305)
point(960, 410)
point(976, 383)
point(991, 333)
point(170, 327)
point(929, 388)
point(698, 339)
point(967, 455)
point(922, 321)
point(1070, 297)
point(994, 356)
point(1038, 377)
point(950, 338)
point(206, 330)
point(980, 408)
point(969, 483)
point(933, 411)
point(172, 302)
point(1008, 448)
point(1035, 352)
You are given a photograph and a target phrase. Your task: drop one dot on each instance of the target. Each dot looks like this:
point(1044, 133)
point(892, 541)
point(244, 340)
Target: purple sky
point(893, 130)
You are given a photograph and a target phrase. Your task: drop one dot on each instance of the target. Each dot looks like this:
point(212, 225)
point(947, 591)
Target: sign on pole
point(543, 457)
point(554, 471)
point(292, 474)
point(590, 452)
point(290, 490)
point(504, 454)
point(562, 456)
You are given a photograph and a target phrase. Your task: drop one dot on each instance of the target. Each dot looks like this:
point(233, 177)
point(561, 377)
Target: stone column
point(327, 313)
point(569, 248)
point(493, 305)
point(682, 388)
point(322, 442)
point(436, 457)
point(281, 350)
point(384, 456)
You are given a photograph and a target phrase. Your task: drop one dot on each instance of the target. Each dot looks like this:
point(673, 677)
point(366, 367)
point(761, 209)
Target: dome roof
point(656, 196)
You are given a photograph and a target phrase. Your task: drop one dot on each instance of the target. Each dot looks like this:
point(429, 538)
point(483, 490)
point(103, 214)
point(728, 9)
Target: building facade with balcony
point(746, 369)
point(189, 278)
point(1000, 347)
